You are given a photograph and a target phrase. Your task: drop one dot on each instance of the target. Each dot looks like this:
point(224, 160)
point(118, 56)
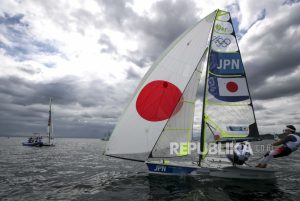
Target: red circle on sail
point(232, 86)
point(157, 100)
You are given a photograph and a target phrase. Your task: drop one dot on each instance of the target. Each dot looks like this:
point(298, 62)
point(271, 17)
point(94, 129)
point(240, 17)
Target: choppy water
point(75, 169)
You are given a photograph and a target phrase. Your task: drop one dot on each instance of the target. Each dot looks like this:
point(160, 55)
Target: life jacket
point(293, 145)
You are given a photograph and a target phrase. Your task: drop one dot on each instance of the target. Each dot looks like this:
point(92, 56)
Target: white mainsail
point(158, 94)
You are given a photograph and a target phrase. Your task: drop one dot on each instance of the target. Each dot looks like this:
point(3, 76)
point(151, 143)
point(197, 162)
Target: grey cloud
point(131, 74)
point(109, 46)
point(110, 116)
point(258, 106)
point(290, 2)
point(171, 19)
point(278, 89)
point(88, 107)
point(139, 59)
point(83, 19)
point(28, 70)
point(15, 86)
point(153, 34)
point(21, 45)
point(117, 12)
point(276, 52)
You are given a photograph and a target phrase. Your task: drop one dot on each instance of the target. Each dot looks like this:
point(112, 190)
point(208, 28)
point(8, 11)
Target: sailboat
point(37, 140)
point(106, 136)
point(161, 111)
point(50, 127)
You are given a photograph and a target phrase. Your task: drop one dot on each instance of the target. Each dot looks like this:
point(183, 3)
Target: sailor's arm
point(284, 140)
point(278, 142)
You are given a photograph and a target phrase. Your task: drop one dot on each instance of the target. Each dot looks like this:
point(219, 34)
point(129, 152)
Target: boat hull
point(33, 144)
point(157, 168)
point(230, 172)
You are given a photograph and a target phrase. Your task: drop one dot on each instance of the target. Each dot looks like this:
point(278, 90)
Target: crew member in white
point(289, 143)
point(242, 152)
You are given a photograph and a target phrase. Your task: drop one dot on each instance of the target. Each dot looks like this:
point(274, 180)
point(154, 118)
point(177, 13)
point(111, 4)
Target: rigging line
point(209, 126)
point(129, 159)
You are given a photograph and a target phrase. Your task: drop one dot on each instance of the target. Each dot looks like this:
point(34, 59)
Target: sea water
point(76, 169)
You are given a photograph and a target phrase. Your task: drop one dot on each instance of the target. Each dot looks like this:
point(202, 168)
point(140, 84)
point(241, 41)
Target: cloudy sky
point(89, 55)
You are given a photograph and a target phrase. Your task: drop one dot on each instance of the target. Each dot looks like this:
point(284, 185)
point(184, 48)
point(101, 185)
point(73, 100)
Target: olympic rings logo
point(221, 42)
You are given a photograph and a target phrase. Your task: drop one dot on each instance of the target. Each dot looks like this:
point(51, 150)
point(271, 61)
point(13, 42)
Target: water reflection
point(207, 188)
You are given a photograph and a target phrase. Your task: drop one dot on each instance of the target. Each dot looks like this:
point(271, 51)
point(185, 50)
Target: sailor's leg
point(269, 156)
point(284, 151)
point(264, 162)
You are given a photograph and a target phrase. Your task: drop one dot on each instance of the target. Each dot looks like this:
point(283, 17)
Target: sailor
point(289, 143)
point(242, 152)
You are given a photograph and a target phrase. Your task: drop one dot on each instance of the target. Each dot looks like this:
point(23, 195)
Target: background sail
point(228, 106)
point(149, 110)
point(50, 123)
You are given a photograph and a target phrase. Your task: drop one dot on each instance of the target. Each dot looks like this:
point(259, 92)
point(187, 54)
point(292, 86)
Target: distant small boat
point(34, 141)
point(106, 136)
point(37, 141)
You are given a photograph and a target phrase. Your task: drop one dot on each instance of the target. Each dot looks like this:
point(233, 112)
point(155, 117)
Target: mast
point(49, 122)
point(202, 137)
